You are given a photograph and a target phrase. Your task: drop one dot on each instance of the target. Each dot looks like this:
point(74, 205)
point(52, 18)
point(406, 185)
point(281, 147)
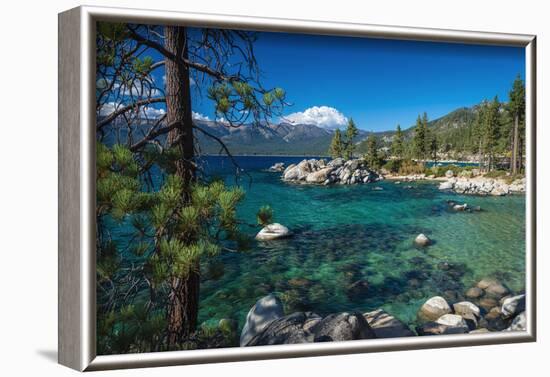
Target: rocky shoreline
point(356, 171)
point(489, 306)
point(337, 171)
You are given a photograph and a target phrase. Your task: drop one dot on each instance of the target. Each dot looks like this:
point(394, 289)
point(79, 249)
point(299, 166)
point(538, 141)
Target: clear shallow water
point(345, 236)
point(353, 249)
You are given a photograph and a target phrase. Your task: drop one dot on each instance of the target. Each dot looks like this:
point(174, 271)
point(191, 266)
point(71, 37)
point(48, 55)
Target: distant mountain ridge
point(308, 139)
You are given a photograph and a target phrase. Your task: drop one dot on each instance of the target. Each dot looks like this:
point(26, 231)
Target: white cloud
point(321, 116)
point(199, 116)
point(107, 108)
point(152, 112)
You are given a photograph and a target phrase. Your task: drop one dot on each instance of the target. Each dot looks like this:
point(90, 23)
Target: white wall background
point(28, 188)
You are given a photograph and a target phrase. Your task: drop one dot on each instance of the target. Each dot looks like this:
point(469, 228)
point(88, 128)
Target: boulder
point(296, 173)
point(435, 328)
point(453, 321)
point(449, 174)
point(272, 232)
point(469, 312)
point(466, 309)
point(512, 306)
point(519, 323)
point(342, 326)
point(290, 329)
point(495, 320)
point(487, 303)
point(278, 167)
point(336, 163)
point(448, 185)
point(434, 308)
point(496, 290)
point(266, 310)
point(460, 207)
point(479, 331)
point(474, 292)
point(386, 326)
point(422, 240)
point(319, 176)
point(307, 327)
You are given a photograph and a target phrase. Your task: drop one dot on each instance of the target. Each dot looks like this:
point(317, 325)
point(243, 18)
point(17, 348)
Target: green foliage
point(393, 166)
point(336, 145)
point(264, 216)
point(371, 157)
point(408, 167)
point(351, 133)
point(397, 147)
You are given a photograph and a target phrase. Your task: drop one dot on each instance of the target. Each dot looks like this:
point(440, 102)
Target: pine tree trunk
point(184, 291)
point(515, 146)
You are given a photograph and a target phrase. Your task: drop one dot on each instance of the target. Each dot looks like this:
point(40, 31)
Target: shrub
point(265, 216)
point(392, 166)
point(411, 167)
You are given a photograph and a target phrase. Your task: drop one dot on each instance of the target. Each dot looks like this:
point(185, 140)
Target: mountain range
point(308, 139)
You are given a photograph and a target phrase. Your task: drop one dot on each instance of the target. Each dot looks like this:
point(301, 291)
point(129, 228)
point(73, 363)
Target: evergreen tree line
point(494, 134)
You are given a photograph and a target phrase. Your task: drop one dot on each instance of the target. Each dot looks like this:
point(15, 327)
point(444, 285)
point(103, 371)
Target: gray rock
point(433, 309)
point(319, 176)
point(422, 240)
point(266, 310)
point(519, 323)
point(386, 326)
point(487, 303)
point(454, 322)
point(342, 326)
point(308, 327)
point(272, 232)
point(336, 163)
point(448, 185)
point(278, 167)
point(435, 328)
point(512, 306)
point(291, 329)
point(466, 308)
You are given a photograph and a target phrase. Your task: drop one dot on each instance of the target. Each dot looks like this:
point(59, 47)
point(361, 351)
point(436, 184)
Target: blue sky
point(379, 83)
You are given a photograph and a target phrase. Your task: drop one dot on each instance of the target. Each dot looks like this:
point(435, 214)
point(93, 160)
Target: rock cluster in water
point(272, 232)
point(337, 171)
point(489, 306)
point(483, 186)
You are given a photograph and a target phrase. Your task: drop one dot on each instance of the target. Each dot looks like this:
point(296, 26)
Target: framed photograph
point(236, 188)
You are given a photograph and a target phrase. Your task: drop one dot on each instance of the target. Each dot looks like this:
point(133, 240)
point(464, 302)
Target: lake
point(353, 250)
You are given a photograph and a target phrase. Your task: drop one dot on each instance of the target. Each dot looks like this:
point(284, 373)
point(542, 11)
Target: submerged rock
point(386, 326)
point(272, 232)
point(422, 240)
point(474, 292)
point(433, 309)
point(342, 326)
point(266, 310)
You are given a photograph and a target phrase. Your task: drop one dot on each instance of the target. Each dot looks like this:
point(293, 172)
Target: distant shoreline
point(310, 156)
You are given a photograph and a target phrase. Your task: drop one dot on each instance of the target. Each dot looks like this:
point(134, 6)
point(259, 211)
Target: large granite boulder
point(306, 327)
point(386, 326)
point(277, 167)
point(266, 310)
point(290, 329)
point(469, 312)
point(319, 176)
point(272, 232)
point(342, 326)
point(434, 308)
point(512, 306)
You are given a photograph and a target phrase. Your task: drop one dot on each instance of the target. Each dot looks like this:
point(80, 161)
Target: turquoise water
point(353, 249)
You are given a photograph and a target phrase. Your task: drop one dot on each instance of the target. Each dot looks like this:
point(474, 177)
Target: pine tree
point(419, 139)
point(336, 147)
point(516, 108)
point(491, 131)
point(397, 148)
point(351, 133)
point(372, 158)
